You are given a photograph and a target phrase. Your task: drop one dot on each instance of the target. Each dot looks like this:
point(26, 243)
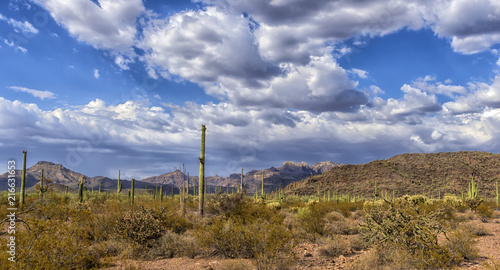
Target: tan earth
point(309, 258)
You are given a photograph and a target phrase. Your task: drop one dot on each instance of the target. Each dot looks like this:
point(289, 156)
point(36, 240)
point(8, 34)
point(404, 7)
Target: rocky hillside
point(431, 174)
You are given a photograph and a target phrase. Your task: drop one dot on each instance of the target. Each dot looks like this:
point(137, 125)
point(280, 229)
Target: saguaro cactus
point(161, 193)
point(99, 187)
point(42, 188)
point(241, 184)
point(262, 185)
point(132, 190)
point(23, 179)
point(201, 188)
point(80, 190)
point(119, 188)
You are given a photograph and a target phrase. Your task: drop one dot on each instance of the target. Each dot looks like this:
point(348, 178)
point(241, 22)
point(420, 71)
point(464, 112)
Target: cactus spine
point(201, 188)
point(23, 180)
point(132, 188)
point(119, 188)
point(80, 190)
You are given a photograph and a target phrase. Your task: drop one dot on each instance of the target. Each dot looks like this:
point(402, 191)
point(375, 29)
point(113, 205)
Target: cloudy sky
point(103, 85)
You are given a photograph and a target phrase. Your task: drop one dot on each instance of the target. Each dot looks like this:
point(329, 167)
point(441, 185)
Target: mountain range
point(274, 178)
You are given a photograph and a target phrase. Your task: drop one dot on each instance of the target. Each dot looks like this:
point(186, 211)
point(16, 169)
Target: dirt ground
point(309, 258)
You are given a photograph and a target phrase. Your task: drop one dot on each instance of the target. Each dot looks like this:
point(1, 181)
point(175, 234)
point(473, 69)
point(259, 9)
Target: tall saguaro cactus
point(119, 188)
point(161, 193)
point(132, 190)
point(262, 185)
point(241, 184)
point(201, 186)
point(80, 190)
point(23, 179)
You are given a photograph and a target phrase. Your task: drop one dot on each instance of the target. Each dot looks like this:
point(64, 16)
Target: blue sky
point(106, 85)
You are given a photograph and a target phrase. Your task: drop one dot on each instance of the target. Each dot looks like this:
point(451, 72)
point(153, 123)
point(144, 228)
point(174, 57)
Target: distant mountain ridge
point(274, 178)
point(433, 174)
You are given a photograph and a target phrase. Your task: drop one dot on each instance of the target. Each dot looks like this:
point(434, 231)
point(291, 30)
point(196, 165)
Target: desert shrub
point(460, 245)
point(140, 226)
point(174, 245)
point(475, 229)
point(358, 243)
point(312, 219)
point(225, 204)
point(405, 224)
point(269, 243)
point(52, 244)
point(332, 246)
point(343, 227)
point(386, 256)
point(484, 213)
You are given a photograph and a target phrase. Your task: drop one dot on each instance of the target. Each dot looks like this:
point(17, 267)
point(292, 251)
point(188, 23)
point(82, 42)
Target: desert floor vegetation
point(238, 231)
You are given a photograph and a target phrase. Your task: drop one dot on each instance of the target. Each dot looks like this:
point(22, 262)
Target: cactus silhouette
point(23, 179)
point(201, 190)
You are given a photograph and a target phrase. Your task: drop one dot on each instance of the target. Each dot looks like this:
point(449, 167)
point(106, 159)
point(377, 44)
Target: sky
point(107, 85)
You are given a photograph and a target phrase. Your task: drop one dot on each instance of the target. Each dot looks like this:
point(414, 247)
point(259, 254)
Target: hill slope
point(431, 174)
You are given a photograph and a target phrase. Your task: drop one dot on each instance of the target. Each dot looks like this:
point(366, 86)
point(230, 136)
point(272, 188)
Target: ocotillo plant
point(23, 179)
point(201, 190)
point(80, 190)
point(119, 188)
point(132, 190)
